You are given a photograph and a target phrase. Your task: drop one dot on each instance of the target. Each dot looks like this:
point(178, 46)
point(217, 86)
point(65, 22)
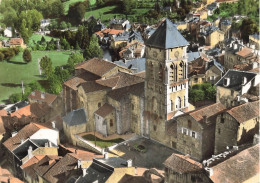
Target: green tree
point(54, 84)
point(210, 93)
point(93, 49)
point(247, 28)
point(76, 12)
point(10, 17)
point(27, 57)
point(74, 59)
point(63, 25)
point(16, 97)
point(128, 6)
point(46, 66)
point(57, 9)
point(196, 95)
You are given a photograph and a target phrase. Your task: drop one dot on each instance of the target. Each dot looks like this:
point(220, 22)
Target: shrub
point(16, 97)
point(27, 57)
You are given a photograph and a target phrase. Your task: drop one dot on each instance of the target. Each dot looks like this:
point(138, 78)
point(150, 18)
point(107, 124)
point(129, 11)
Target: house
point(242, 167)
point(52, 100)
point(212, 7)
point(28, 142)
point(120, 24)
point(122, 40)
point(234, 84)
point(225, 26)
point(132, 50)
point(237, 126)
point(7, 177)
point(74, 122)
point(106, 169)
point(213, 36)
point(105, 35)
point(196, 71)
point(214, 72)
point(181, 168)
point(196, 131)
point(8, 32)
point(254, 40)
point(14, 42)
point(237, 53)
point(45, 23)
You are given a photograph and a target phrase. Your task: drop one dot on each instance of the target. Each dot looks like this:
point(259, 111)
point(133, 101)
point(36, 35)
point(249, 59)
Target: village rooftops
point(233, 79)
point(207, 111)
point(96, 66)
point(182, 164)
point(242, 167)
point(245, 111)
point(42, 96)
point(75, 117)
point(138, 64)
point(166, 36)
point(16, 41)
point(74, 82)
point(23, 134)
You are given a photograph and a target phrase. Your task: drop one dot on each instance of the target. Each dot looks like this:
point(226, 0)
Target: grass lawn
point(68, 3)
point(15, 71)
point(109, 12)
point(37, 37)
point(102, 143)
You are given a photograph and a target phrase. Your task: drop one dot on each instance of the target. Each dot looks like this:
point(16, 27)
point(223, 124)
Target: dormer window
point(226, 81)
point(244, 80)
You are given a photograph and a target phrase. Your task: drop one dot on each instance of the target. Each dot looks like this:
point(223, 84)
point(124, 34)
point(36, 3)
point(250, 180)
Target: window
point(193, 134)
point(171, 105)
point(185, 131)
point(195, 80)
point(111, 123)
point(219, 131)
point(133, 107)
point(189, 124)
point(154, 127)
point(99, 105)
point(232, 93)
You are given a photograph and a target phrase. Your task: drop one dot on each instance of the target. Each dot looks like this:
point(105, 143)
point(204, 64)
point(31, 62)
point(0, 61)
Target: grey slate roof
point(137, 65)
point(209, 30)
point(217, 64)
point(166, 36)
point(193, 56)
point(236, 79)
point(226, 22)
point(75, 117)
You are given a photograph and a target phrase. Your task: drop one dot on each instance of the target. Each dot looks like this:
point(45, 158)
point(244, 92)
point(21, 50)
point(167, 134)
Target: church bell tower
point(166, 81)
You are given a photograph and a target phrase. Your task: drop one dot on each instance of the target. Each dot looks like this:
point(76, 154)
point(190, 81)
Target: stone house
point(17, 42)
point(234, 84)
point(196, 131)
point(53, 101)
point(213, 36)
point(196, 71)
point(29, 142)
point(214, 72)
point(225, 26)
point(181, 168)
point(105, 120)
point(74, 122)
point(237, 126)
point(120, 24)
point(237, 53)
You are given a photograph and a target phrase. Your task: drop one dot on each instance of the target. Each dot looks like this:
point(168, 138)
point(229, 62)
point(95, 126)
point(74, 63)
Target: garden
point(100, 142)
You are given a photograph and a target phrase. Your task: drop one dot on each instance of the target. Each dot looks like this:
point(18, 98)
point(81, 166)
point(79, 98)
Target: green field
point(36, 38)
point(102, 143)
point(15, 71)
point(109, 12)
point(68, 3)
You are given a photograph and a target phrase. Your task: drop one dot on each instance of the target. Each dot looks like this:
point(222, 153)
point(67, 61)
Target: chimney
point(211, 172)
point(30, 155)
point(256, 139)
point(53, 124)
point(49, 144)
point(106, 155)
point(43, 95)
point(234, 46)
point(129, 163)
point(79, 163)
point(14, 133)
point(84, 172)
point(22, 141)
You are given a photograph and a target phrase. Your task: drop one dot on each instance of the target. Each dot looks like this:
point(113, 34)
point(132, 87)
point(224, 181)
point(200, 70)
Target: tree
point(10, 17)
point(128, 6)
point(74, 59)
point(46, 66)
point(76, 12)
point(2, 56)
point(57, 9)
point(55, 84)
point(93, 49)
point(247, 28)
point(196, 95)
point(210, 93)
point(16, 97)
point(63, 25)
point(27, 57)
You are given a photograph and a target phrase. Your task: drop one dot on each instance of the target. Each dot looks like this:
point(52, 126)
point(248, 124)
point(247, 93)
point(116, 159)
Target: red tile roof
point(239, 168)
point(37, 95)
point(16, 41)
point(245, 111)
point(105, 110)
point(245, 52)
point(207, 111)
point(96, 66)
point(182, 164)
point(74, 83)
point(45, 164)
point(33, 160)
point(23, 134)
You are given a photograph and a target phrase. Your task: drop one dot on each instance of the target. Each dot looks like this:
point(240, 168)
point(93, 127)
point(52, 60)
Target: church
point(166, 80)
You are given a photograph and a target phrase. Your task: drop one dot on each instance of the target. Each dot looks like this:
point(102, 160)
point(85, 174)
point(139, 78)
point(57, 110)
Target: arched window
point(176, 73)
point(171, 105)
point(178, 103)
point(151, 69)
point(171, 75)
point(161, 72)
point(155, 106)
